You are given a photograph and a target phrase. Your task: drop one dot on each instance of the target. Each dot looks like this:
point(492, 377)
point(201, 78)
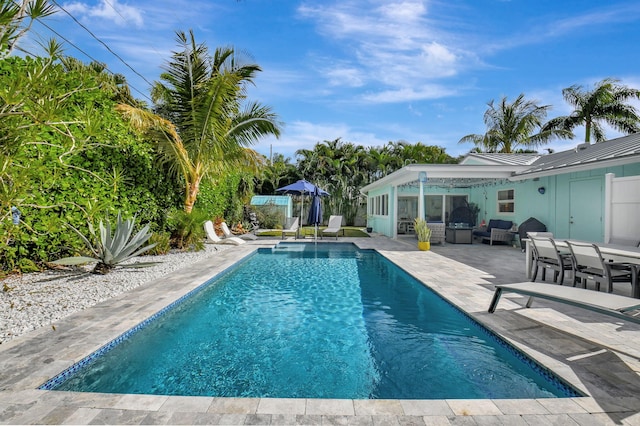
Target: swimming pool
point(336, 323)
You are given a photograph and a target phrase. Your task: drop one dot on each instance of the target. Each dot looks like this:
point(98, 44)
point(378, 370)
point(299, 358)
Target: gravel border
point(35, 300)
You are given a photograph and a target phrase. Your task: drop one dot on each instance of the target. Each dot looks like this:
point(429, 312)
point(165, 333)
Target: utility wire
point(89, 56)
point(103, 43)
point(127, 20)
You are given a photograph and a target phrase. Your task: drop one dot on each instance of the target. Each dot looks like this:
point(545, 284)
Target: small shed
point(281, 205)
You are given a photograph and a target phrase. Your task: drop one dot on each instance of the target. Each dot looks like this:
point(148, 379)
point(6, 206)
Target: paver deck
point(599, 355)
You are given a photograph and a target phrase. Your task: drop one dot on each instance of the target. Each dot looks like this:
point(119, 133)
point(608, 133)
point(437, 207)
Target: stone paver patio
point(599, 355)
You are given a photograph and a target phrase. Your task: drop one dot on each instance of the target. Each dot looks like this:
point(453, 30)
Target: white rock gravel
point(34, 300)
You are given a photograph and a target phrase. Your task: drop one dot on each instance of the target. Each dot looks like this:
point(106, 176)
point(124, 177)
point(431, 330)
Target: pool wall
point(561, 385)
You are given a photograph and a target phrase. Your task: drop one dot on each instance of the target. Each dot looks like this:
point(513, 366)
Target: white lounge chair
point(604, 303)
point(228, 234)
point(333, 227)
point(293, 228)
point(212, 237)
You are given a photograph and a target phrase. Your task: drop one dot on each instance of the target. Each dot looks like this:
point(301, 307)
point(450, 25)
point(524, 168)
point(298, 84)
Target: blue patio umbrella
point(315, 212)
point(301, 187)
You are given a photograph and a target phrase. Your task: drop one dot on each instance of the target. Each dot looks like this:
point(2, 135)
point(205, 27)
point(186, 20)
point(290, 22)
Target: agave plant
point(109, 250)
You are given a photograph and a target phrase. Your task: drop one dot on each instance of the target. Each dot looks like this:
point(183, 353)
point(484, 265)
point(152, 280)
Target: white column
point(421, 201)
point(422, 178)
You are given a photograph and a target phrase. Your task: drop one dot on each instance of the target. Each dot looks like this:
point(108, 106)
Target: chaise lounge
point(604, 303)
point(228, 234)
point(292, 227)
point(212, 237)
point(333, 227)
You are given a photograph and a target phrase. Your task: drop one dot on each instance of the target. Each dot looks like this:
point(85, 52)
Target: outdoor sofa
point(497, 230)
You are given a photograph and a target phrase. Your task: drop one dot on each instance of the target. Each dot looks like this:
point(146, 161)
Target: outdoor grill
point(530, 225)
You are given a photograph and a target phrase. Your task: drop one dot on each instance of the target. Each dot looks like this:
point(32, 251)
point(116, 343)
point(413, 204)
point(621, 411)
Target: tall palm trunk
point(192, 189)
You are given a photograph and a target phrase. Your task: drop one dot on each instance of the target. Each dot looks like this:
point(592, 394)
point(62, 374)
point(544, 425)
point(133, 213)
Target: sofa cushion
point(499, 224)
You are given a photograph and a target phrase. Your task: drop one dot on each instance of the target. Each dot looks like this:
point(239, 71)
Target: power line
point(88, 56)
point(103, 43)
point(127, 20)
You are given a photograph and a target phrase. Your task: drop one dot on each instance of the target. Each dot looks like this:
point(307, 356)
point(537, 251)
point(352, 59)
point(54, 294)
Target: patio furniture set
point(601, 263)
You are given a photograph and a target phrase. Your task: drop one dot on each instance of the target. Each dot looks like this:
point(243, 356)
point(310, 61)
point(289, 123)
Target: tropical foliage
point(16, 19)
point(343, 168)
point(202, 124)
point(513, 126)
point(607, 103)
point(66, 157)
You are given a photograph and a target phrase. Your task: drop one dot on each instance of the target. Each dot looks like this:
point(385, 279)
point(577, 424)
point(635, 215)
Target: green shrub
point(162, 241)
point(59, 174)
point(187, 229)
point(270, 216)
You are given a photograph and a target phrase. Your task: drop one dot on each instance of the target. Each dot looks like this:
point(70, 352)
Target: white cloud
point(404, 94)
point(403, 12)
point(304, 135)
point(394, 46)
point(350, 77)
point(117, 13)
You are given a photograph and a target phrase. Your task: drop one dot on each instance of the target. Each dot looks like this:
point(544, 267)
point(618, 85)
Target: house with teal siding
point(591, 192)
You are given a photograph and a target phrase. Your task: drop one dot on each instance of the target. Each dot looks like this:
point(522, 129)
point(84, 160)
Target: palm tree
point(17, 18)
point(605, 103)
point(200, 124)
point(513, 125)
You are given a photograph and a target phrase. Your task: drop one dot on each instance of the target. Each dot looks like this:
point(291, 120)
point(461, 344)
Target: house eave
point(591, 165)
point(437, 172)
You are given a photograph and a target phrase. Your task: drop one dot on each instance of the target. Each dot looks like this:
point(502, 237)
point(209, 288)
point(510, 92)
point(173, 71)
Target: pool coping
point(29, 361)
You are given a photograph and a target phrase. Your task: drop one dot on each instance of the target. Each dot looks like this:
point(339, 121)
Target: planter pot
point(424, 245)
point(369, 229)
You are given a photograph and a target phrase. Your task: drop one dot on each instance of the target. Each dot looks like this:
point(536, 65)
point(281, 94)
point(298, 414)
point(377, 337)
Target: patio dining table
point(612, 252)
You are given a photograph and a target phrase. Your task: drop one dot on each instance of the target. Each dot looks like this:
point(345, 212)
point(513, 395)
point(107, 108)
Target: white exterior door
point(585, 210)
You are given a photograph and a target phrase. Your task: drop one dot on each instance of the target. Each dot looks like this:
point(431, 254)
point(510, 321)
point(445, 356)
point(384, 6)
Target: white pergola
point(442, 176)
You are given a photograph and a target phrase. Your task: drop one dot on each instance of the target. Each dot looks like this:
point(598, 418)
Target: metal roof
point(618, 151)
point(515, 167)
point(499, 158)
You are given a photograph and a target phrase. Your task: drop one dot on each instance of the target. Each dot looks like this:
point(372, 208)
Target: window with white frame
point(506, 201)
point(379, 205)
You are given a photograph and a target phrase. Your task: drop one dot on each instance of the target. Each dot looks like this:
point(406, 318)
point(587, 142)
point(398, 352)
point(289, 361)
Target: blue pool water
point(307, 321)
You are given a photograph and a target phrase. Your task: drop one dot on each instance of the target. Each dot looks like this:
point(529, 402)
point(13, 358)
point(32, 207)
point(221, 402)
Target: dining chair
point(547, 256)
point(590, 265)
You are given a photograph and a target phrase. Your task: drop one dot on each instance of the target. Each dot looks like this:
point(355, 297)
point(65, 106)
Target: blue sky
point(374, 71)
